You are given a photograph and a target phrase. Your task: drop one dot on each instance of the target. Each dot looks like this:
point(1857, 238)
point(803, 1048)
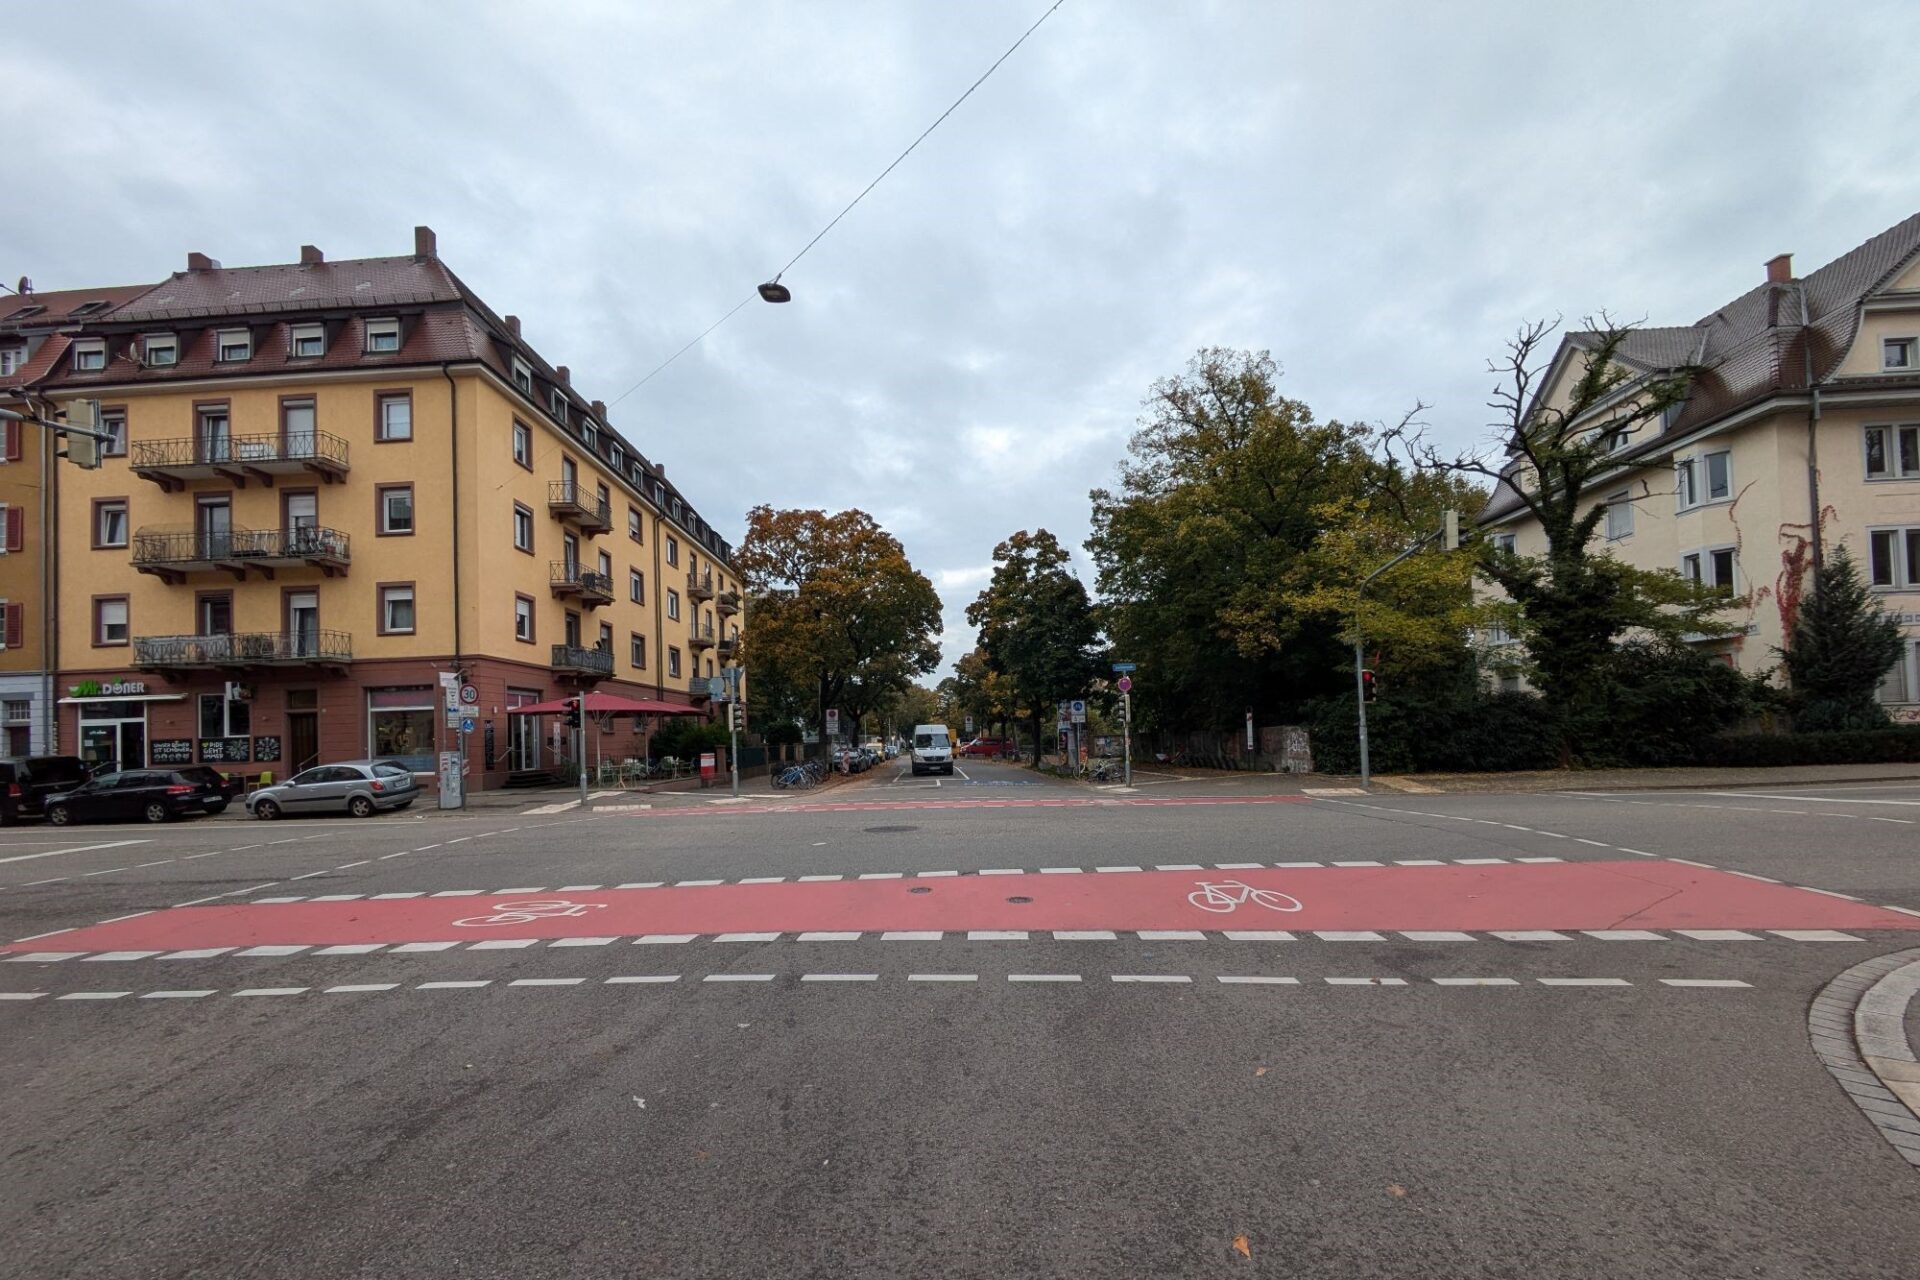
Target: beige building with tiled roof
point(334, 481)
point(1805, 426)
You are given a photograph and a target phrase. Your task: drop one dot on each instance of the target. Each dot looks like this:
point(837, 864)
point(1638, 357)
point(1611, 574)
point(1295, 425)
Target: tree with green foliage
point(1201, 548)
point(1036, 625)
point(1575, 602)
point(838, 610)
point(1842, 646)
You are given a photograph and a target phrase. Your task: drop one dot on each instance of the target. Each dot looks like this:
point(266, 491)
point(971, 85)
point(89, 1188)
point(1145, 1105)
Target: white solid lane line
point(85, 848)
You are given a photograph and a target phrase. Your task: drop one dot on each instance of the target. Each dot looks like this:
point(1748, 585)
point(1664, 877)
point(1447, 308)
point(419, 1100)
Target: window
point(1893, 557)
point(114, 423)
point(637, 650)
point(617, 456)
point(557, 402)
point(88, 308)
point(606, 569)
point(678, 510)
point(1619, 515)
point(673, 551)
point(383, 335)
point(570, 629)
point(523, 618)
point(213, 615)
point(1893, 453)
point(1506, 542)
point(233, 344)
point(162, 349)
point(673, 604)
point(1711, 568)
point(304, 341)
point(400, 726)
point(1902, 683)
point(603, 501)
point(591, 435)
point(32, 309)
point(633, 523)
point(1897, 353)
point(636, 587)
point(224, 717)
point(18, 719)
point(673, 661)
point(89, 356)
point(522, 376)
point(522, 444)
point(110, 522)
point(395, 508)
point(1719, 476)
point(660, 496)
point(605, 644)
point(11, 358)
point(1705, 479)
point(109, 620)
point(396, 609)
point(523, 528)
point(393, 416)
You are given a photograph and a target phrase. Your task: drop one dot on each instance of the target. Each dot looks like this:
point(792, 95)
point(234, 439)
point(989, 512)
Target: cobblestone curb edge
point(1858, 1028)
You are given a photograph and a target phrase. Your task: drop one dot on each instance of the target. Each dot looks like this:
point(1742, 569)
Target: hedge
point(1897, 745)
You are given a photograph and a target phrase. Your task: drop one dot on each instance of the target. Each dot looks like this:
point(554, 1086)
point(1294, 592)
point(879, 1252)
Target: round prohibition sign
point(529, 912)
point(1227, 895)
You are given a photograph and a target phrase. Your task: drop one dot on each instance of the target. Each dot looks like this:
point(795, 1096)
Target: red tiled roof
point(58, 307)
point(236, 291)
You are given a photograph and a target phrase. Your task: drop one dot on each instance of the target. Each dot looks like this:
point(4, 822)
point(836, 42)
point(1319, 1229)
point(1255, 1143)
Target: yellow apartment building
point(338, 481)
point(1803, 433)
point(32, 344)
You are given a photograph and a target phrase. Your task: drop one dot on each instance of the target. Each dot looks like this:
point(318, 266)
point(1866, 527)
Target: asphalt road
point(1104, 1044)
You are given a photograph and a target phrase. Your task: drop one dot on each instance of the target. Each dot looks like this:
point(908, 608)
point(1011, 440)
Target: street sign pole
point(1126, 732)
point(733, 725)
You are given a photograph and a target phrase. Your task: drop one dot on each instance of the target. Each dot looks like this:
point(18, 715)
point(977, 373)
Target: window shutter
point(16, 625)
point(13, 441)
point(16, 528)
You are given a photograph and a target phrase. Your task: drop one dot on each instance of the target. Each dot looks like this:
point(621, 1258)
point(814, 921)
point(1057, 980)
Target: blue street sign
point(466, 724)
point(1125, 666)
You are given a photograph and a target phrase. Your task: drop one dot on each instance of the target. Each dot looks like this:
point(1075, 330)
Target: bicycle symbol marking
point(1227, 895)
point(529, 912)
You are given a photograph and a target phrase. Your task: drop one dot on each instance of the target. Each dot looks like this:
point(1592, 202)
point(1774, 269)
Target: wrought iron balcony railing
point(728, 603)
point(573, 503)
point(245, 649)
point(568, 578)
point(181, 551)
point(171, 462)
point(582, 661)
point(700, 585)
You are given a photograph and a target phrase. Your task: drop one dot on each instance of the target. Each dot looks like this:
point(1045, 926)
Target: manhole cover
point(884, 831)
point(1019, 899)
point(920, 889)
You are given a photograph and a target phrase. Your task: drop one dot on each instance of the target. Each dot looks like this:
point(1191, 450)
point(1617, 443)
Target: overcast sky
point(1378, 193)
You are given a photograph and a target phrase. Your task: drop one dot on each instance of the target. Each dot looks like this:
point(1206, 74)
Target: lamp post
point(1448, 536)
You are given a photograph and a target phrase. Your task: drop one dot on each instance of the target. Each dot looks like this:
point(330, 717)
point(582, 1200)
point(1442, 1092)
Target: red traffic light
point(1369, 689)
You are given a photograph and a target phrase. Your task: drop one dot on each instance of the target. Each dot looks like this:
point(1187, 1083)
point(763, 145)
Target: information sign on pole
point(1079, 710)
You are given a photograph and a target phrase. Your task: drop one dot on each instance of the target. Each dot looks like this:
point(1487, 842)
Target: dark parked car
point(232, 786)
point(155, 795)
point(26, 781)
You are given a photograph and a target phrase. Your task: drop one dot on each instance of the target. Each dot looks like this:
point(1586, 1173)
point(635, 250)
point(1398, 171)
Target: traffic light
point(573, 713)
point(1368, 689)
point(83, 447)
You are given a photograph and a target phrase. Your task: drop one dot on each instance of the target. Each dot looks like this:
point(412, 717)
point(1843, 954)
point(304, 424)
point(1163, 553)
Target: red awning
point(600, 704)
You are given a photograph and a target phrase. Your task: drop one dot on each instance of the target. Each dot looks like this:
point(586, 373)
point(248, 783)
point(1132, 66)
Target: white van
point(932, 750)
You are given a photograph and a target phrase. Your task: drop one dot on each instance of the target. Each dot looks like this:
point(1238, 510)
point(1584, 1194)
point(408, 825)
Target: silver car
point(359, 787)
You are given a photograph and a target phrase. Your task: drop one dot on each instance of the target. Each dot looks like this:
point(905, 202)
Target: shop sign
point(106, 688)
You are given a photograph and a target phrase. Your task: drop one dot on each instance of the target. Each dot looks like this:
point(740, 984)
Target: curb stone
point(1857, 1028)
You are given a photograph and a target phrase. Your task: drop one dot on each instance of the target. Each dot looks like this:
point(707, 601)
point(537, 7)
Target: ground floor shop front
point(26, 728)
point(278, 722)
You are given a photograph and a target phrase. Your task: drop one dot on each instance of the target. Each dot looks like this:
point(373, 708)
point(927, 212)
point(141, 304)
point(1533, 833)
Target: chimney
point(660, 469)
point(310, 256)
point(513, 325)
point(424, 245)
point(564, 374)
point(600, 410)
point(1780, 268)
point(201, 262)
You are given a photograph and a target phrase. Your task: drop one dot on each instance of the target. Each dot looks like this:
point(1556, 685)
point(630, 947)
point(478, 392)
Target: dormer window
point(89, 308)
point(234, 344)
point(557, 402)
point(677, 509)
point(1897, 354)
point(305, 341)
point(522, 376)
point(383, 335)
point(90, 356)
point(590, 434)
point(161, 350)
point(32, 309)
point(617, 456)
point(11, 358)
point(660, 495)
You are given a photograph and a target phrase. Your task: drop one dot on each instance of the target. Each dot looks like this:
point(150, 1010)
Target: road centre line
point(85, 848)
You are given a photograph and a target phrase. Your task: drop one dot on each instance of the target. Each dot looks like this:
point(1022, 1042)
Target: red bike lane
point(1574, 895)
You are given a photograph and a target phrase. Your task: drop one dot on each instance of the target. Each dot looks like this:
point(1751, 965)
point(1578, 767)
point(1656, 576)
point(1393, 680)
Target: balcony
point(582, 664)
point(728, 603)
point(727, 648)
point(701, 638)
point(172, 554)
point(578, 507)
point(171, 463)
point(568, 579)
point(700, 585)
point(245, 650)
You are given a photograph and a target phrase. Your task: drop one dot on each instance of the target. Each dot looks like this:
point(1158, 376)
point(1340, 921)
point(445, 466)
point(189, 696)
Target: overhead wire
point(821, 234)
